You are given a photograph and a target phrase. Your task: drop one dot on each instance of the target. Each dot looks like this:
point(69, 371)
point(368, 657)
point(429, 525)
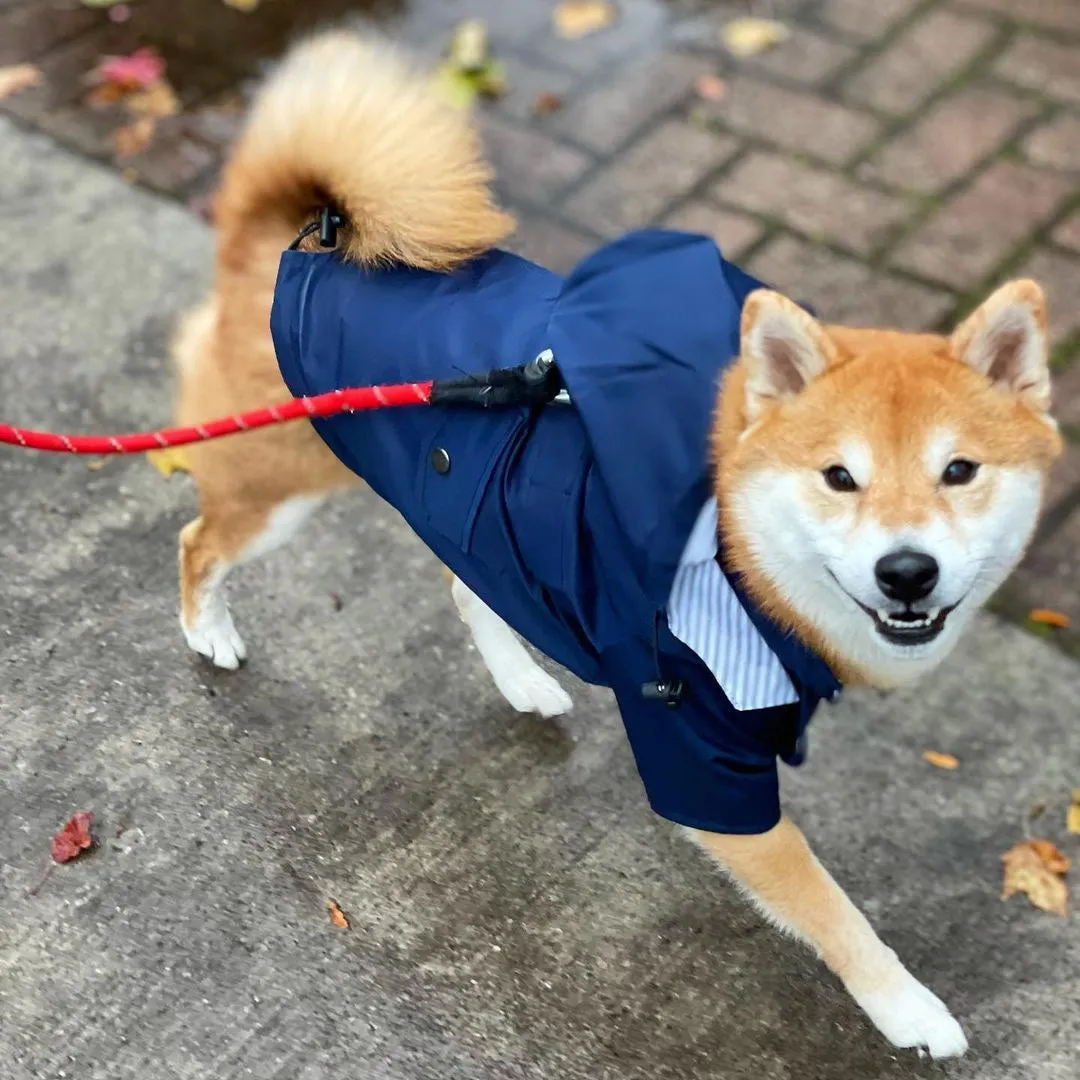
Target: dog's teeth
point(883, 615)
point(933, 613)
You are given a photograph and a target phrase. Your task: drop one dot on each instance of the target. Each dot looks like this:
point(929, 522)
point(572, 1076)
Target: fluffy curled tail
point(347, 120)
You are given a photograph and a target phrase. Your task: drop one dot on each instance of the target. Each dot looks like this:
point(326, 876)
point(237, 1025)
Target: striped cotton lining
point(705, 614)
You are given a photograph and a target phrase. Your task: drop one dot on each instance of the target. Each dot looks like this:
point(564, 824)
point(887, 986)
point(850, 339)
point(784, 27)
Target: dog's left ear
point(1006, 340)
point(783, 348)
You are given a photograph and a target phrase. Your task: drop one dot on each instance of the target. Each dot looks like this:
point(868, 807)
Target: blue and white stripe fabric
point(705, 614)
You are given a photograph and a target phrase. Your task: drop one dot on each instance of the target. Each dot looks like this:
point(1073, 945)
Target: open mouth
point(909, 627)
point(906, 627)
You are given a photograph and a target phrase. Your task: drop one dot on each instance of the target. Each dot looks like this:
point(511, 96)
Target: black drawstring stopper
point(329, 223)
point(327, 227)
point(669, 692)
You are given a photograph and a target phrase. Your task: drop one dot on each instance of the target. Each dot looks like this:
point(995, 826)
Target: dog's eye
point(960, 471)
point(839, 479)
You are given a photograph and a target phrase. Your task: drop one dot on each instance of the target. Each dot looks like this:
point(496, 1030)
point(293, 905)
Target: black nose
point(906, 575)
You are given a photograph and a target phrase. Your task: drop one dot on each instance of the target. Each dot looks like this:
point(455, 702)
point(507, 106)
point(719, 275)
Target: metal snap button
point(440, 461)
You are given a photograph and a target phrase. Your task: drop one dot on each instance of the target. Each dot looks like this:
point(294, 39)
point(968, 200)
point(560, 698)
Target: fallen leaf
point(455, 87)
point(18, 77)
point(460, 88)
point(1055, 861)
point(469, 69)
point(74, 838)
point(710, 87)
point(158, 99)
point(577, 18)
point(1072, 818)
point(138, 71)
point(169, 460)
point(1049, 617)
point(130, 139)
point(106, 94)
point(546, 102)
point(468, 48)
point(940, 760)
point(337, 916)
point(96, 464)
point(748, 37)
point(1035, 868)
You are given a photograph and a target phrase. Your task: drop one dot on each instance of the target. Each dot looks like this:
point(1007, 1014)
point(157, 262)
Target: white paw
point(213, 635)
point(908, 1014)
point(531, 689)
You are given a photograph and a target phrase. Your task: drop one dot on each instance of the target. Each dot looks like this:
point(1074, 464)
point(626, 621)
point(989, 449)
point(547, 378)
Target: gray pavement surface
point(516, 910)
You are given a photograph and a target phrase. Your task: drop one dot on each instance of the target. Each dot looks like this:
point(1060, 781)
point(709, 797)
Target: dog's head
point(876, 487)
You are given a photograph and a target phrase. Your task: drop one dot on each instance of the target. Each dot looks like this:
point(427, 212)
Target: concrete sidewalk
point(516, 910)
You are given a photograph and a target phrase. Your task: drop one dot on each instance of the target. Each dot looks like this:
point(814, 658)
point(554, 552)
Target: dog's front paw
point(213, 635)
point(531, 689)
point(909, 1015)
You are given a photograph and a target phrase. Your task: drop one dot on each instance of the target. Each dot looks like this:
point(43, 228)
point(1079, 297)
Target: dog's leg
point(781, 874)
point(210, 547)
point(526, 685)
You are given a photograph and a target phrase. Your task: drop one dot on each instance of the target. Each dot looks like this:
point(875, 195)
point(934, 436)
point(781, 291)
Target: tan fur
point(786, 880)
point(347, 121)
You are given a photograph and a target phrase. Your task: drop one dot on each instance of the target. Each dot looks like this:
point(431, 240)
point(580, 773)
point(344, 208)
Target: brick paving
point(889, 163)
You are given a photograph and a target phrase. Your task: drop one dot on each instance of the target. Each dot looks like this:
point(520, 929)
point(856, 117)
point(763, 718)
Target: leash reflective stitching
point(535, 384)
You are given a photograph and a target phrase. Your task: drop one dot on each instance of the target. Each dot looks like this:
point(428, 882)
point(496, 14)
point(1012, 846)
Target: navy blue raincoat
point(568, 522)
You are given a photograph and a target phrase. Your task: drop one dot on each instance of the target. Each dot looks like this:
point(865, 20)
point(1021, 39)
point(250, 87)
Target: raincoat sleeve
point(703, 763)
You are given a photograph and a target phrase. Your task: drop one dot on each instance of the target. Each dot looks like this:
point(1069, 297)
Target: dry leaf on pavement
point(137, 71)
point(337, 916)
point(1036, 868)
point(1072, 819)
point(132, 138)
point(748, 37)
point(171, 459)
point(1052, 856)
point(1049, 617)
point(158, 99)
point(546, 102)
point(18, 77)
point(74, 838)
point(940, 760)
point(577, 18)
point(469, 68)
point(468, 48)
point(710, 87)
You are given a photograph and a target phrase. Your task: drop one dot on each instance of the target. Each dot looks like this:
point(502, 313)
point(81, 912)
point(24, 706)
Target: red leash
point(337, 401)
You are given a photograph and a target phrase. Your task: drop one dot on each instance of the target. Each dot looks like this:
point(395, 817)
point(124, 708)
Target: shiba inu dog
point(862, 491)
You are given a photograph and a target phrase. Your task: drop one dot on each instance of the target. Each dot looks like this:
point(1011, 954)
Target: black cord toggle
point(670, 693)
point(329, 223)
point(535, 383)
point(327, 227)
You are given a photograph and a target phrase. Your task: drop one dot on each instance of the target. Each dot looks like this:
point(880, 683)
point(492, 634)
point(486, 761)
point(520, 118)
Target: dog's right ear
point(783, 349)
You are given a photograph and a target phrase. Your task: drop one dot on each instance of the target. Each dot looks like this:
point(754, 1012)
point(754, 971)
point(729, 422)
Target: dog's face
point(882, 485)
